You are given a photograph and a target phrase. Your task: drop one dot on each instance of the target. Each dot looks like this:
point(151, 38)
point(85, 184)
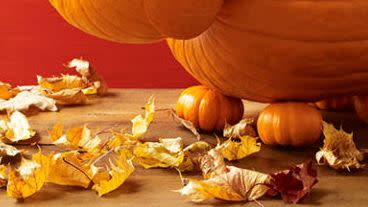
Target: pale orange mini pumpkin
point(361, 107)
point(289, 124)
point(336, 103)
point(208, 109)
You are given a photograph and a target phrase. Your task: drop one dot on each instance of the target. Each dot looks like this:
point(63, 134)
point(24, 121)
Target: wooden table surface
point(154, 187)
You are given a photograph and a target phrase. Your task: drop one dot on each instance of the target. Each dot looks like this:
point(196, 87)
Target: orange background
point(34, 39)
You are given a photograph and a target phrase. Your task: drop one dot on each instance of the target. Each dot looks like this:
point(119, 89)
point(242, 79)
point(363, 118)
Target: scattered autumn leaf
point(3, 176)
point(57, 84)
point(141, 123)
point(193, 156)
point(165, 153)
point(293, 184)
point(96, 84)
point(185, 123)
point(18, 128)
point(236, 148)
point(234, 185)
point(339, 150)
point(68, 97)
point(24, 100)
point(243, 128)
point(119, 169)
point(6, 91)
point(8, 153)
point(29, 177)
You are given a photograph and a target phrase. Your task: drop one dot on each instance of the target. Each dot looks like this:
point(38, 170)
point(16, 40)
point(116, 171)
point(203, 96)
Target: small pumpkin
point(361, 107)
point(208, 109)
point(336, 103)
point(289, 124)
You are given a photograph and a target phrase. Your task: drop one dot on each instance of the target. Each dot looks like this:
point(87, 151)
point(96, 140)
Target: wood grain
point(154, 187)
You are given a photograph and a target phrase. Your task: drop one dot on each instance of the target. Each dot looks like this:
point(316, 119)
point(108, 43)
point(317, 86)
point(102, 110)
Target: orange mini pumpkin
point(289, 124)
point(208, 109)
point(336, 103)
point(361, 107)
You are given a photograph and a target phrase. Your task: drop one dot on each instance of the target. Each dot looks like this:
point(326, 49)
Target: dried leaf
point(240, 147)
point(6, 91)
point(339, 150)
point(120, 169)
point(8, 153)
point(165, 153)
point(57, 84)
point(75, 138)
point(193, 155)
point(187, 124)
point(234, 185)
point(140, 123)
point(97, 85)
point(24, 100)
point(243, 128)
point(18, 128)
point(29, 178)
point(293, 184)
point(70, 168)
point(68, 97)
point(3, 176)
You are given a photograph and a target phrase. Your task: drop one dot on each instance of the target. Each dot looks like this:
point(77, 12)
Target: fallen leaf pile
point(53, 91)
point(339, 150)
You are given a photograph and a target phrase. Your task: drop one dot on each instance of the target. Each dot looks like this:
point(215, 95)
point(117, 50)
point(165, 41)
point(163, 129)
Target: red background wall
point(34, 39)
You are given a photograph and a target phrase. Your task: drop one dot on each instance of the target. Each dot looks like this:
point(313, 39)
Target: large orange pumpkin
point(289, 124)
point(361, 107)
point(208, 109)
point(255, 49)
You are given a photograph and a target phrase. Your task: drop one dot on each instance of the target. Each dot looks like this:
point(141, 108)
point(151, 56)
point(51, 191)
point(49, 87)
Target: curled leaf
point(165, 153)
point(234, 185)
point(96, 84)
point(240, 147)
point(293, 184)
point(18, 128)
point(339, 150)
point(119, 169)
point(141, 123)
point(68, 97)
point(187, 124)
point(8, 153)
point(193, 155)
point(57, 84)
point(29, 177)
point(243, 128)
point(24, 100)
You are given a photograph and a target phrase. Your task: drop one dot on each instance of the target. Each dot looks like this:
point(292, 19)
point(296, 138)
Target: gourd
point(208, 109)
point(336, 103)
point(253, 49)
point(289, 124)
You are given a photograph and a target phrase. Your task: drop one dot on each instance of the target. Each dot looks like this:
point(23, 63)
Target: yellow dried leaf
point(238, 148)
point(68, 97)
point(165, 153)
point(140, 123)
point(29, 177)
point(234, 185)
point(71, 169)
point(76, 138)
point(6, 91)
point(8, 153)
point(24, 100)
point(243, 128)
point(339, 150)
point(18, 128)
point(3, 176)
point(56, 84)
point(119, 170)
point(97, 85)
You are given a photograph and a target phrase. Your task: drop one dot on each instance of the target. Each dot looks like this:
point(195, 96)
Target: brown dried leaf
point(24, 100)
point(234, 185)
point(339, 150)
point(8, 153)
point(243, 128)
point(187, 124)
point(193, 156)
